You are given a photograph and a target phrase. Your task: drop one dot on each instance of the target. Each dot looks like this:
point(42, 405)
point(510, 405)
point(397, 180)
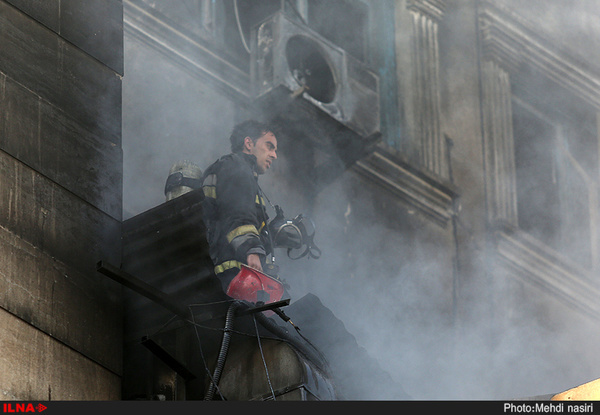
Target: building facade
point(60, 177)
point(447, 151)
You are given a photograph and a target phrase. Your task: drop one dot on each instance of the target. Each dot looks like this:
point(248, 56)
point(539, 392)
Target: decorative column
point(498, 143)
point(426, 15)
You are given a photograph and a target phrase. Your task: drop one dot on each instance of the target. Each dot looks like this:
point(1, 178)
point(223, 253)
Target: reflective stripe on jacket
point(234, 211)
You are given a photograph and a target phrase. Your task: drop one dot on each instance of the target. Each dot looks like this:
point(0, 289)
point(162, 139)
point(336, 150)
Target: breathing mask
point(295, 235)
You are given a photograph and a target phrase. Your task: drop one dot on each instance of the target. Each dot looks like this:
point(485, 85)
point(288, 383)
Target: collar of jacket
point(250, 159)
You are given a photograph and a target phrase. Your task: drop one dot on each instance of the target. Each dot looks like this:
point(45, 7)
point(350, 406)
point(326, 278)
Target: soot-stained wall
point(61, 64)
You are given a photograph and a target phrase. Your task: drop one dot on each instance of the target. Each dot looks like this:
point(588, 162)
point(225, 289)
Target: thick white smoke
point(383, 272)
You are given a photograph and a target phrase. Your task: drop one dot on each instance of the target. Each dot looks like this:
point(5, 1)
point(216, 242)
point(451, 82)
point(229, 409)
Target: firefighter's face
point(265, 150)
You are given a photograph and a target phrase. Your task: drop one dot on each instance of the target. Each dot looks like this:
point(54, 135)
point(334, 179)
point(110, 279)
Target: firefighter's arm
point(237, 200)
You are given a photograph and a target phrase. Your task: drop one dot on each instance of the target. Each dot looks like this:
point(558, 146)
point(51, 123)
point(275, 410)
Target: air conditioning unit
point(297, 73)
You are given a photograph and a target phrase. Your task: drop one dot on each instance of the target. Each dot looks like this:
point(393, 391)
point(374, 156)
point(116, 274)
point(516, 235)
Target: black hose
point(311, 353)
point(223, 352)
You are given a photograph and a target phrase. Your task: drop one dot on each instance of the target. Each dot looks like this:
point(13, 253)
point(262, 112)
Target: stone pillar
point(498, 143)
point(426, 15)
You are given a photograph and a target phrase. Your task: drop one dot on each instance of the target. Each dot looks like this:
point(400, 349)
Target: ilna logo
point(23, 407)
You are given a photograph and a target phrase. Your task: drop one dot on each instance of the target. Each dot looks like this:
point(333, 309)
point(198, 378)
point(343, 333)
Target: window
point(343, 22)
point(536, 173)
point(556, 165)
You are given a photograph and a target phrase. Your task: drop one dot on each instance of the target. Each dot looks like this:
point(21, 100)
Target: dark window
point(556, 162)
point(536, 174)
point(238, 33)
point(343, 22)
point(227, 25)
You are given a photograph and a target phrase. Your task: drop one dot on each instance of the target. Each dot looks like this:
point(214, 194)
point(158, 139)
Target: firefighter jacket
point(234, 211)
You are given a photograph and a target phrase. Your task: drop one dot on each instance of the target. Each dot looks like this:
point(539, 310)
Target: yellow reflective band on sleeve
point(262, 225)
point(209, 186)
point(227, 265)
point(241, 230)
point(259, 200)
point(210, 180)
point(210, 191)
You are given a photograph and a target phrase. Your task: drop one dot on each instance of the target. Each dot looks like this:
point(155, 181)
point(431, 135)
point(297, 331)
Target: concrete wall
point(61, 173)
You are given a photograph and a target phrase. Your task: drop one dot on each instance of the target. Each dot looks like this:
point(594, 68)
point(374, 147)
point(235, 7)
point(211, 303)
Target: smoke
point(386, 272)
point(167, 117)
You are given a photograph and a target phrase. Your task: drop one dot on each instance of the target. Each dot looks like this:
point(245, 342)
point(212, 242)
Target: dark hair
point(249, 128)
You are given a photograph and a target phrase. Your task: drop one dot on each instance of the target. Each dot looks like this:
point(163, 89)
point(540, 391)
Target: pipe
point(312, 354)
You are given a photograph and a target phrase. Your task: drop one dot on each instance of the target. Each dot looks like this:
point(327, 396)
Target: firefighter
point(234, 207)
